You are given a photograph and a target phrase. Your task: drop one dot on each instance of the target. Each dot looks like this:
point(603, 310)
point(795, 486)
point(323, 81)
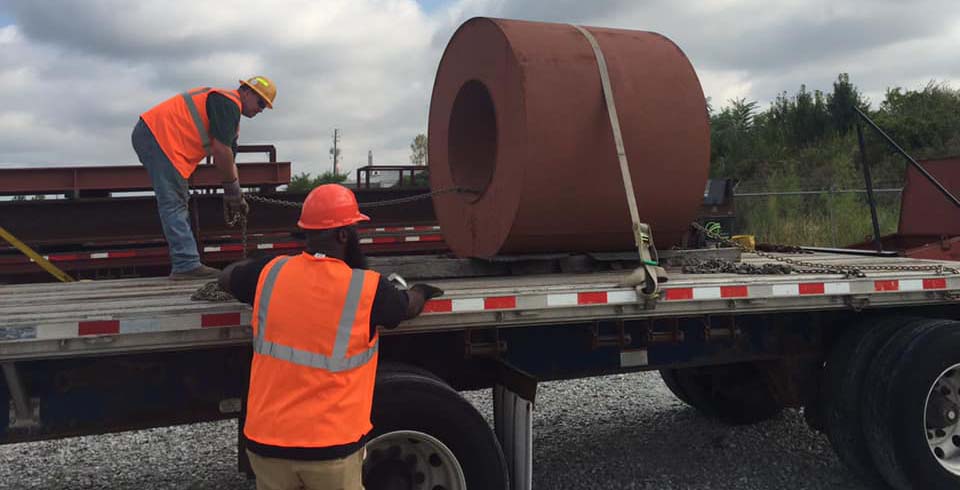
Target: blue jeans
point(172, 197)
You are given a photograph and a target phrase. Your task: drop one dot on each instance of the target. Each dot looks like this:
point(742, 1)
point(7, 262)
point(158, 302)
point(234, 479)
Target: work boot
point(201, 272)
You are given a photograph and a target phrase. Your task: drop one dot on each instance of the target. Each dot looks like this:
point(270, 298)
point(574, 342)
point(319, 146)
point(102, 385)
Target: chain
point(368, 205)
point(238, 219)
point(211, 291)
point(808, 267)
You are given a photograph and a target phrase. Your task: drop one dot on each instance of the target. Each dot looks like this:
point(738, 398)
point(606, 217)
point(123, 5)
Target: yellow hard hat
point(264, 87)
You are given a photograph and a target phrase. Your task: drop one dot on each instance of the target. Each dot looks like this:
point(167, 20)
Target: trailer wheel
point(736, 394)
point(669, 377)
point(402, 367)
point(842, 389)
point(911, 407)
point(426, 435)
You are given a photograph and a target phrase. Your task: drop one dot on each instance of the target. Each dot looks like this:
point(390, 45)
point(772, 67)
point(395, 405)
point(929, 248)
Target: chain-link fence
point(823, 217)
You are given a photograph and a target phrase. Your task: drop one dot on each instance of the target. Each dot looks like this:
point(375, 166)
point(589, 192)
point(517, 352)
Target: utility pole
point(336, 154)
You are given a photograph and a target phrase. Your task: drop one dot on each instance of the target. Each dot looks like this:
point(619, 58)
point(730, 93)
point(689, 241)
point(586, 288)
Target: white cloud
point(77, 76)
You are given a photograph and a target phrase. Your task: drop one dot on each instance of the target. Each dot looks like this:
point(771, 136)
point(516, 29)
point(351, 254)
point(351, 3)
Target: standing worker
point(173, 137)
point(315, 318)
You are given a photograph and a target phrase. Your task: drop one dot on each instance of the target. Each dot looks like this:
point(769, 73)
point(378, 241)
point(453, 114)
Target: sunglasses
point(262, 103)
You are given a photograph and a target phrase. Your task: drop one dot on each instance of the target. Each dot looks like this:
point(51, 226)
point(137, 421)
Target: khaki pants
point(289, 474)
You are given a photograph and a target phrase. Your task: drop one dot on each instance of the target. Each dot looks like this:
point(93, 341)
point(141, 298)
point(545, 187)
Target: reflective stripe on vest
point(195, 114)
point(337, 362)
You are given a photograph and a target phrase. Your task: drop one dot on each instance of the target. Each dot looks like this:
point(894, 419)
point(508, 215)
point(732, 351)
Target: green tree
point(732, 138)
point(841, 104)
point(927, 121)
point(418, 150)
point(304, 182)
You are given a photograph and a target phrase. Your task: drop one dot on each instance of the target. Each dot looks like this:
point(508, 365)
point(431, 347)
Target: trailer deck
point(128, 315)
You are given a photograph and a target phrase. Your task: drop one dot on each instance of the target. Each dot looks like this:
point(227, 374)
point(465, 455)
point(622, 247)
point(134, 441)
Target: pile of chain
point(797, 265)
point(211, 291)
point(724, 266)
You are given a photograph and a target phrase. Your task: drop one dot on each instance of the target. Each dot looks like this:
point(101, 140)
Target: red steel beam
point(126, 178)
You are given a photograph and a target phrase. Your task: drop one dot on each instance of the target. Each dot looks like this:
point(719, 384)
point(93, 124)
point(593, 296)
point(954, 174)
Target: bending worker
point(172, 138)
point(315, 318)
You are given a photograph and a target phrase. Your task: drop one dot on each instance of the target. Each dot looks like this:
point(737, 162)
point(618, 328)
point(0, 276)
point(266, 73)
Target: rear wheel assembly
point(841, 391)
point(911, 407)
point(735, 394)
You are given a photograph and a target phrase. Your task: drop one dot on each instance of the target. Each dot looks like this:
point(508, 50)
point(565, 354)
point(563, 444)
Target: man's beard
point(354, 255)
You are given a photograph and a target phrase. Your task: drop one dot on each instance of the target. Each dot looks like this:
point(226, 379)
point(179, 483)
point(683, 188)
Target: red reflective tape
point(64, 257)
point(812, 288)
point(99, 327)
point(438, 306)
point(385, 239)
point(126, 254)
point(499, 302)
point(595, 298)
point(219, 319)
point(940, 283)
point(893, 285)
point(231, 248)
point(431, 238)
point(733, 291)
point(675, 294)
point(288, 245)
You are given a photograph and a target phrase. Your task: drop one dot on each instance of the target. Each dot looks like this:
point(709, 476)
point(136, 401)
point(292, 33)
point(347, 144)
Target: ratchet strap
point(649, 274)
point(34, 256)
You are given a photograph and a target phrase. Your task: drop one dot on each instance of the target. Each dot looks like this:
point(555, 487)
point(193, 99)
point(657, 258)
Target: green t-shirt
point(224, 116)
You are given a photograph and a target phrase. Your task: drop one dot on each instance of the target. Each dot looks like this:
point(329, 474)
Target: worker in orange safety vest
point(315, 348)
point(174, 136)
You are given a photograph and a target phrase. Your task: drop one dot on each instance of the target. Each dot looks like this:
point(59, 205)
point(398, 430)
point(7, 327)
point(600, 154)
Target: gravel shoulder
point(614, 432)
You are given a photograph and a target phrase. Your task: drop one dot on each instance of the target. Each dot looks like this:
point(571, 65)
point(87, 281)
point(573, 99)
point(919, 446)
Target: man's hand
point(418, 295)
point(429, 292)
point(233, 202)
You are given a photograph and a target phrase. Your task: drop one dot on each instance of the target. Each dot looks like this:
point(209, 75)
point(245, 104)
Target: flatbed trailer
point(104, 356)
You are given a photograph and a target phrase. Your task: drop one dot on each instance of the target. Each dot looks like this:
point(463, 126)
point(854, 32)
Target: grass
point(836, 220)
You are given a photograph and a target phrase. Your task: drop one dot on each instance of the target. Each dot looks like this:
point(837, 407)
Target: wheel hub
point(411, 460)
point(942, 419)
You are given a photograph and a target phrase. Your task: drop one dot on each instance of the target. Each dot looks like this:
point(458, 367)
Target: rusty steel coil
point(518, 114)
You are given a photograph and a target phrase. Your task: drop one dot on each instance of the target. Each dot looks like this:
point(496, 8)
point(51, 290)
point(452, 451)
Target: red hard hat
point(330, 206)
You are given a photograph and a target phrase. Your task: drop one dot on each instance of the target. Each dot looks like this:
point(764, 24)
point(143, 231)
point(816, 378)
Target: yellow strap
point(42, 262)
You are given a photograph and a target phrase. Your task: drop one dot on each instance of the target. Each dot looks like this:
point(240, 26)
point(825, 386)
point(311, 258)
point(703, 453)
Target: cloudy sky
point(76, 74)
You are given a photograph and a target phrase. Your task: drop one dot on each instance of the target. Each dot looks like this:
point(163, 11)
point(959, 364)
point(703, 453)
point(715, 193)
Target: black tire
point(669, 377)
point(410, 401)
point(841, 392)
point(402, 367)
point(894, 401)
point(735, 394)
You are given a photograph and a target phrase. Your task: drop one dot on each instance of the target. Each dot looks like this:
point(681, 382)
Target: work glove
point(429, 292)
point(233, 202)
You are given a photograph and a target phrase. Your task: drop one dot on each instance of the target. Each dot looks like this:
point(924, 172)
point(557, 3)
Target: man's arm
point(224, 161)
point(240, 278)
point(224, 118)
point(393, 305)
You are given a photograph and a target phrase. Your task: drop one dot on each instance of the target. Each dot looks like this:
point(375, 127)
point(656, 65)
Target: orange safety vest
point(182, 128)
point(314, 363)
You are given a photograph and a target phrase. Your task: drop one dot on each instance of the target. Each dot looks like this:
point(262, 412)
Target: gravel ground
point(614, 432)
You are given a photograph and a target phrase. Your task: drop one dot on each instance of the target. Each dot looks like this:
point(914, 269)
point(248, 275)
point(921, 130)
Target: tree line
point(808, 141)
point(810, 135)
